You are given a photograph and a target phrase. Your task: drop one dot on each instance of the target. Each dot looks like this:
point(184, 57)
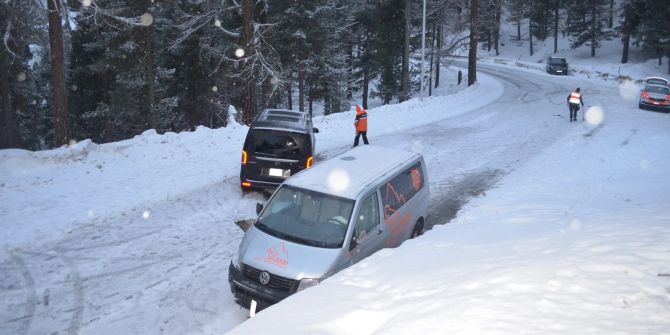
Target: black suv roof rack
point(285, 119)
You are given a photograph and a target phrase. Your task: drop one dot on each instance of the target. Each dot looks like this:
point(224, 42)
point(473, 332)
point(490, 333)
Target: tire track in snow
point(78, 294)
point(31, 295)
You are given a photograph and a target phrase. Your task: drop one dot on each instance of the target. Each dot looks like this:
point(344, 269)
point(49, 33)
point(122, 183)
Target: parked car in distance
point(279, 144)
point(655, 94)
point(327, 218)
point(557, 65)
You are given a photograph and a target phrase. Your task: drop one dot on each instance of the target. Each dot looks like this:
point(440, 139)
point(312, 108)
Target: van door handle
point(381, 230)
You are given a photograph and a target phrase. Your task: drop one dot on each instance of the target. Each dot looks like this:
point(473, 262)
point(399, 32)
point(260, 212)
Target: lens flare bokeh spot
point(338, 180)
point(594, 115)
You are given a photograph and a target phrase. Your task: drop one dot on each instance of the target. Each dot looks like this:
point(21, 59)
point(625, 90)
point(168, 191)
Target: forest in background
point(110, 69)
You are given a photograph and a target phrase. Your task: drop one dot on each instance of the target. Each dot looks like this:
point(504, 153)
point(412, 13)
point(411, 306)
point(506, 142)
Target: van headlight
point(307, 283)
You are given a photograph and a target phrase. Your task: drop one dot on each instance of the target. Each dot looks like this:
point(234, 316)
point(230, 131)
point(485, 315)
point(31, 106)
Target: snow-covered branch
point(5, 38)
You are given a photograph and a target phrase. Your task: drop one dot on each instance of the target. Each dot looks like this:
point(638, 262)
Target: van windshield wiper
point(290, 237)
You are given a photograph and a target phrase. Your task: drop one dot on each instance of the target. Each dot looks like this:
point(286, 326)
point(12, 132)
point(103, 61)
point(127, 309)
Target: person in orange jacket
point(574, 100)
point(361, 124)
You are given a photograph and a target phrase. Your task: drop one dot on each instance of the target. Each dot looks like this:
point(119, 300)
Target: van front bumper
point(245, 289)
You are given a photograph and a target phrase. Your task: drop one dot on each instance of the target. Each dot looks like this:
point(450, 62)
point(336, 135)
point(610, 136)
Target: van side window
point(368, 214)
point(400, 189)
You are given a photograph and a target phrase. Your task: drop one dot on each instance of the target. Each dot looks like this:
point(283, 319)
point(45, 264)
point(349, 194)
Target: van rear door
point(274, 155)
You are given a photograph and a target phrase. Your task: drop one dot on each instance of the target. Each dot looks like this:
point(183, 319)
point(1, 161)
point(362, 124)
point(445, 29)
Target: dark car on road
point(279, 144)
point(557, 65)
point(655, 94)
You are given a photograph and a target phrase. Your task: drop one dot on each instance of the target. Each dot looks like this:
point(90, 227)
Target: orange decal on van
point(416, 179)
point(397, 196)
point(397, 225)
point(277, 255)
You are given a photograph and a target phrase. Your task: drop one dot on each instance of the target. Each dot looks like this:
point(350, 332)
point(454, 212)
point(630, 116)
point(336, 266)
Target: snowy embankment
point(606, 65)
point(46, 194)
point(576, 241)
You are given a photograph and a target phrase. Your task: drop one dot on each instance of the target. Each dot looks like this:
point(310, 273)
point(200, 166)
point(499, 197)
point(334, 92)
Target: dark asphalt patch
point(450, 196)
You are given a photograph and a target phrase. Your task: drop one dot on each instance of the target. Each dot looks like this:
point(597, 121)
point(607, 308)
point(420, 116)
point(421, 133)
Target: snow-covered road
point(164, 271)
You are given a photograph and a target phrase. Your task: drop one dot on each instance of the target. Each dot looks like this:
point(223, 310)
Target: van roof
point(352, 172)
point(282, 119)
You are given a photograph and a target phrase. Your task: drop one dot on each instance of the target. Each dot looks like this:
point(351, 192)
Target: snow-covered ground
point(568, 230)
point(576, 241)
point(606, 65)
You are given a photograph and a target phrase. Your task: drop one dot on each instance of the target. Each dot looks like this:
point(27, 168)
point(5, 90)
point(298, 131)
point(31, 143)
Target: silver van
point(327, 218)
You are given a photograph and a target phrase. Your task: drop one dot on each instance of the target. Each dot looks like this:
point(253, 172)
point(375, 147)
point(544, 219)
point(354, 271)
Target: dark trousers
point(573, 112)
point(365, 137)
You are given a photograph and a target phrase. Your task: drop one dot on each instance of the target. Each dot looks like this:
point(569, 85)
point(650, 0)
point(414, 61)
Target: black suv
point(279, 144)
point(557, 65)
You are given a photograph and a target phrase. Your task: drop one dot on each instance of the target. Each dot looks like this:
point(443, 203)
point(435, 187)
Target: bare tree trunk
point(530, 35)
point(289, 94)
point(327, 100)
point(626, 30)
point(350, 63)
point(556, 6)
point(488, 41)
point(659, 51)
point(301, 89)
point(594, 19)
point(366, 87)
point(109, 124)
point(610, 20)
point(430, 66)
point(366, 78)
point(518, 29)
point(150, 77)
point(472, 53)
point(310, 98)
point(404, 95)
point(9, 133)
point(496, 33)
point(58, 73)
point(440, 25)
point(247, 42)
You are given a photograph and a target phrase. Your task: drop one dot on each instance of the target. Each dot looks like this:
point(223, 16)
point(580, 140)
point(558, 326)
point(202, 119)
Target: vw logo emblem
point(264, 278)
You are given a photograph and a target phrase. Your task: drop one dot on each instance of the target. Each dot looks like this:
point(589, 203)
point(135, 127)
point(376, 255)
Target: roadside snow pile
point(45, 194)
point(49, 192)
point(606, 65)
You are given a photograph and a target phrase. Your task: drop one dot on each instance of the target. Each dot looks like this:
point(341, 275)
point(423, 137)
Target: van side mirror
point(315, 130)
point(259, 208)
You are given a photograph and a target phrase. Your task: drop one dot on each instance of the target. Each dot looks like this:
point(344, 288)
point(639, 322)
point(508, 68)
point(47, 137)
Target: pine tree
point(654, 30)
point(23, 46)
point(385, 49)
point(630, 21)
point(588, 24)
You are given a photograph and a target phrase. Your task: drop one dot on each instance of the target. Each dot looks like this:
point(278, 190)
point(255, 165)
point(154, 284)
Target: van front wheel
point(418, 229)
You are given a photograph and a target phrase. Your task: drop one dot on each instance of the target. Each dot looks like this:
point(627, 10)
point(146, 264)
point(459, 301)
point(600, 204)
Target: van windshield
point(280, 144)
point(306, 217)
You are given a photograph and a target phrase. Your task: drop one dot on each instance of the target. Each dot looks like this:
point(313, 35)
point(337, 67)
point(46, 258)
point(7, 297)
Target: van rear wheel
point(418, 229)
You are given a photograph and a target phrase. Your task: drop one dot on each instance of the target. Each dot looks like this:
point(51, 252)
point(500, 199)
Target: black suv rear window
point(657, 89)
point(280, 144)
point(557, 61)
